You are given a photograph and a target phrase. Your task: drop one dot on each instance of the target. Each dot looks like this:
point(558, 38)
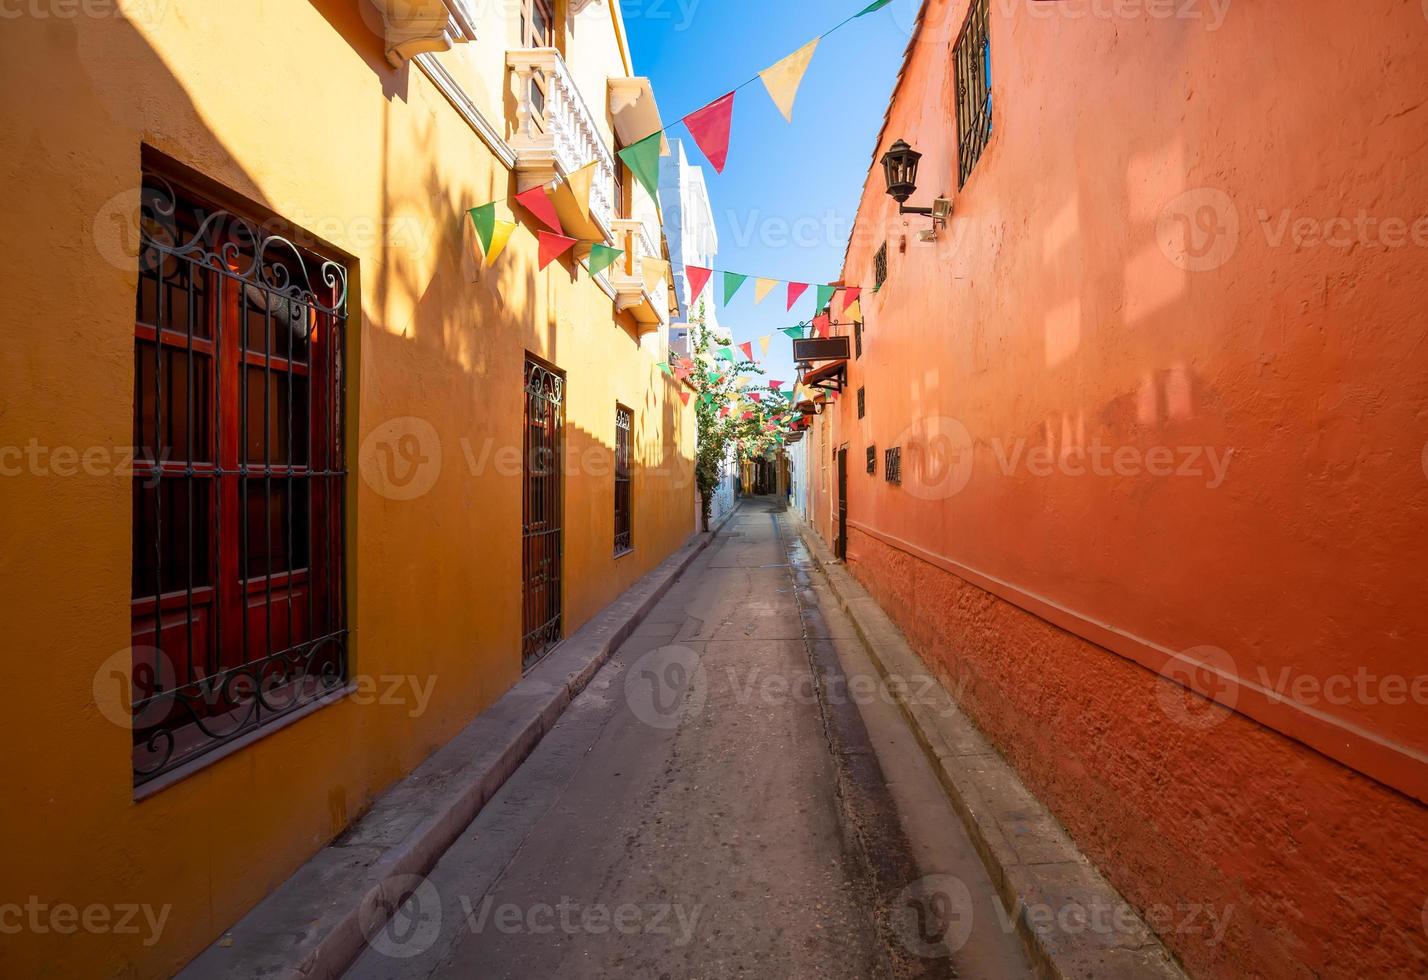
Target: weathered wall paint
point(291, 106)
point(1113, 276)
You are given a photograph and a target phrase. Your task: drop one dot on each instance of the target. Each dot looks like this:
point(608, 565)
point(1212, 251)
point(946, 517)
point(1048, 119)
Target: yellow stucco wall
point(290, 104)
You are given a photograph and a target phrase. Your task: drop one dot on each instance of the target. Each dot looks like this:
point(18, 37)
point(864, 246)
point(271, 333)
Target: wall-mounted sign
point(820, 349)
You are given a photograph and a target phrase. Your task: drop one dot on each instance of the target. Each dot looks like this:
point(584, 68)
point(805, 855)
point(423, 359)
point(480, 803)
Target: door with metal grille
point(541, 524)
point(841, 545)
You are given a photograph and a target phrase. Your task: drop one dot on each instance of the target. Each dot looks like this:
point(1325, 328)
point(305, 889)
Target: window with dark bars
point(238, 605)
point(872, 459)
point(857, 339)
point(623, 536)
point(973, 60)
point(862, 404)
point(892, 465)
point(880, 266)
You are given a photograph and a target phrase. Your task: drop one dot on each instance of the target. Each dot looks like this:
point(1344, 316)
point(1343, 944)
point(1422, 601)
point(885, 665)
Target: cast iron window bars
point(872, 459)
point(880, 266)
point(892, 465)
point(972, 59)
point(238, 603)
point(862, 404)
point(623, 492)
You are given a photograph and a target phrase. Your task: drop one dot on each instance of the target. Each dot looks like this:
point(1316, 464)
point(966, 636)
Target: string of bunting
point(710, 127)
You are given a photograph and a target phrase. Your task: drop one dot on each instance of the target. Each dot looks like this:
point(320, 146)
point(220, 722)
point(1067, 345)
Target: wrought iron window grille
point(973, 66)
point(880, 266)
point(623, 486)
point(238, 598)
point(862, 404)
point(542, 512)
point(872, 459)
point(892, 465)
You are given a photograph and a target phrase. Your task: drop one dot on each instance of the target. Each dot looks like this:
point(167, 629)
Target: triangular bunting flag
point(794, 333)
point(850, 296)
point(710, 128)
point(825, 293)
point(602, 257)
point(732, 282)
point(537, 202)
point(664, 366)
point(698, 277)
point(552, 247)
point(775, 385)
point(684, 397)
point(579, 183)
point(643, 160)
point(855, 312)
point(764, 345)
point(762, 287)
point(782, 79)
point(795, 290)
point(500, 235)
point(484, 218)
point(652, 270)
point(875, 5)
point(725, 353)
point(823, 323)
point(748, 348)
point(754, 396)
point(724, 411)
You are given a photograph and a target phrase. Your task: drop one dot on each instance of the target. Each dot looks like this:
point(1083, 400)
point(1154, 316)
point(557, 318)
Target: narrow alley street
point(694, 813)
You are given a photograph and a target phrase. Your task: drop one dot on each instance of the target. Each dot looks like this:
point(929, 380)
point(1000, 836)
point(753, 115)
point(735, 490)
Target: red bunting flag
point(748, 348)
point(710, 129)
point(698, 279)
point(754, 396)
point(684, 397)
point(538, 203)
point(775, 385)
point(822, 324)
point(724, 411)
point(795, 290)
point(747, 415)
point(850, 295)
point(553, 247)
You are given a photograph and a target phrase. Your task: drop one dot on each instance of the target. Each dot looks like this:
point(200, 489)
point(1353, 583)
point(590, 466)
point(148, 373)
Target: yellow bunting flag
point(854, 310)
point(579, 183)
point(764, 343)
point(653, 270)
point(500, 235)
point(782, 80)
point(762, 288)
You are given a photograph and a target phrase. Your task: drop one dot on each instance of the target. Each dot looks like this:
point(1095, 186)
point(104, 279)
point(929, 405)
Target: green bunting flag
point(725, 353)
point(643, 160)
point(875, 5)
point(825, 293)
point(732, 282)
point(484, 218)
point(664, 366)
point(602, 257)
point(794, 332)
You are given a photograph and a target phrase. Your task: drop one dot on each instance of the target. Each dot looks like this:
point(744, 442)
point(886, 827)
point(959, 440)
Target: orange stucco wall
point(290, 106)
point(1137, 422)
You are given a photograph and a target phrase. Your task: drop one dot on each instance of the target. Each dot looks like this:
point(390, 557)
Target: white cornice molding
point(468, 110)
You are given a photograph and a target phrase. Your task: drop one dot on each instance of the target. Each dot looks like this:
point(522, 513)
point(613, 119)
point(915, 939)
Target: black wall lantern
point(900, 169)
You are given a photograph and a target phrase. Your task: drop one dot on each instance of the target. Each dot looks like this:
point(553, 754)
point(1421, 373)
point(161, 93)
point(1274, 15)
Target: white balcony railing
point(627, 275)
point(561, 136)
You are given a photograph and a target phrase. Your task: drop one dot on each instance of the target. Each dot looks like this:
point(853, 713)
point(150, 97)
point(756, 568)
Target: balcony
point(412, 27)
point(555, 135)
point(643, 300)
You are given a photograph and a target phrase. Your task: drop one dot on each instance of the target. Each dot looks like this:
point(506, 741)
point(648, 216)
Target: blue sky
point(786, 200)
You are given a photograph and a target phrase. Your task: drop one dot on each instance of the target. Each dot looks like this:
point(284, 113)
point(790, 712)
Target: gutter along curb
point(1033, 863)
point(317, 922)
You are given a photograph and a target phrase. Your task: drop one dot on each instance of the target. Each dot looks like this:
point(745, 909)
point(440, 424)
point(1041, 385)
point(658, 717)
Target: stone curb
point(316, 922)
point(1033, 863)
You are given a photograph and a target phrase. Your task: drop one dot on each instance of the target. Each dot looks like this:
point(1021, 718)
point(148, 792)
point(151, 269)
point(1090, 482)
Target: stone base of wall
point(1251, 854)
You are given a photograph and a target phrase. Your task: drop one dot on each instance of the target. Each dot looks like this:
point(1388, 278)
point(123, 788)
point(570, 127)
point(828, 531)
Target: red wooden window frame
point(237, 598)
